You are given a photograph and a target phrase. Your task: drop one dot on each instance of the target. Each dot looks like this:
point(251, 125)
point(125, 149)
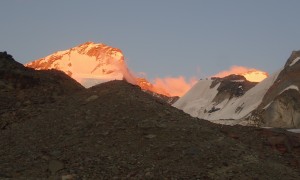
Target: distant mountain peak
point(89, 63)
point(93, 63)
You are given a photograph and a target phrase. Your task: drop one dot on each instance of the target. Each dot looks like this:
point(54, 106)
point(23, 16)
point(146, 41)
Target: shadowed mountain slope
point(115, 130)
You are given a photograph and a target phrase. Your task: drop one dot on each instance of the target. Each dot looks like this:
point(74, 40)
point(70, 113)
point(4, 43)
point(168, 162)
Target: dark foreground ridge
point(23, 89)
point(116, 131)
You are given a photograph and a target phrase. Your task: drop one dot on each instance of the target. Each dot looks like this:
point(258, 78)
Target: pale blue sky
point(159, 37)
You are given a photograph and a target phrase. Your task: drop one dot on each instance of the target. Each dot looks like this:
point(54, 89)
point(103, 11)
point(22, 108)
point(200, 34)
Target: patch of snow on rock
point(295, 61)
point(290, 87)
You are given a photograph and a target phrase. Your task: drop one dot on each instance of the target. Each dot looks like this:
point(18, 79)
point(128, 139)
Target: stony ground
point(116, 131)
point(52, 128)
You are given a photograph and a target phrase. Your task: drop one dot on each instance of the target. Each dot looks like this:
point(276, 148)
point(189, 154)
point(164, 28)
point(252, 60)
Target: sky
point(160, 38)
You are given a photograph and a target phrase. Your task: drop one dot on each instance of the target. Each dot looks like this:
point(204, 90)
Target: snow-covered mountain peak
point(94, 63)
point(89, 63)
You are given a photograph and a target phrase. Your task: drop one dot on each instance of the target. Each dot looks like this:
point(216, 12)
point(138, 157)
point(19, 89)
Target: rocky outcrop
point(231, 86)
point(280, 106)
point(283, 111)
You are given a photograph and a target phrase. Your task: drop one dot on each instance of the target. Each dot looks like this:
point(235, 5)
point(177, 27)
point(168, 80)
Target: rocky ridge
point(21, 88)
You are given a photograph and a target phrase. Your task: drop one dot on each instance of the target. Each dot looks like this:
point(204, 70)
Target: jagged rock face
point(284, 111)
point(280, 106)
point(273, 102)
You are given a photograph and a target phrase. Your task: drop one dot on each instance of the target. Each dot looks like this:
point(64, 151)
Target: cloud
point(233, 70)
point(250, 74)
point(175, 86)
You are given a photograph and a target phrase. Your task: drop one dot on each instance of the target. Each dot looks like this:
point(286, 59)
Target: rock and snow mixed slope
point(273, 102)
point(208, 100)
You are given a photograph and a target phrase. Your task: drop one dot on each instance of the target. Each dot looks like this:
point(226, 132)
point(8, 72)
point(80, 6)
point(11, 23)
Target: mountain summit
point(88, 63)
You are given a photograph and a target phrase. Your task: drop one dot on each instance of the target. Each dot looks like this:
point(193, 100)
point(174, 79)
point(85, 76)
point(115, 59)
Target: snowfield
point(199, 100)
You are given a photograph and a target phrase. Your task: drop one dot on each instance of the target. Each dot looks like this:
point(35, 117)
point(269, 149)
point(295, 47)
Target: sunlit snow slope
point(88, 63)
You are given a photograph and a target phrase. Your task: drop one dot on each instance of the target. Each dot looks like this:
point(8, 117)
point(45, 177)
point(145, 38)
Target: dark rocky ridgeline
point(23, 90)
point(116, 131)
